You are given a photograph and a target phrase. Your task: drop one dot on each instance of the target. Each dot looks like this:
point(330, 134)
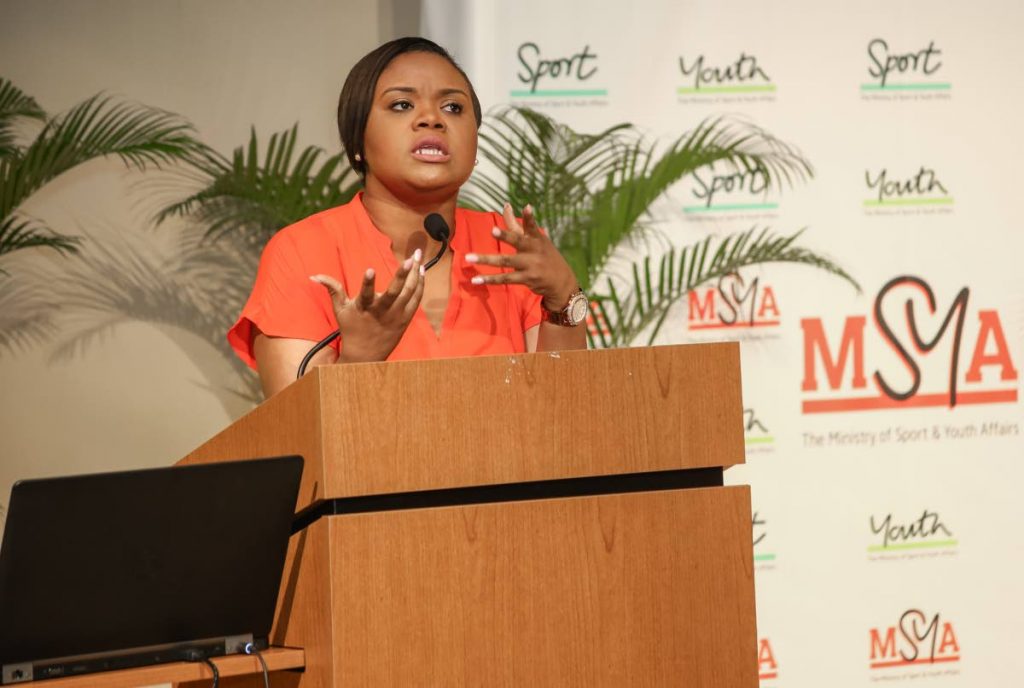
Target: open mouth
point(430, 150)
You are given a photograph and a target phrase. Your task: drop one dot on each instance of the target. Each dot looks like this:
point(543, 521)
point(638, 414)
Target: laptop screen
point(105, 562)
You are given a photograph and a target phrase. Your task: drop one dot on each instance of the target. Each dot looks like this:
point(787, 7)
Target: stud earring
point(477, 161)
point(358, 157)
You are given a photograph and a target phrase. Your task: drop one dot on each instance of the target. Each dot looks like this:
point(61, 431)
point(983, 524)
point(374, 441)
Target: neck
point(402, 221)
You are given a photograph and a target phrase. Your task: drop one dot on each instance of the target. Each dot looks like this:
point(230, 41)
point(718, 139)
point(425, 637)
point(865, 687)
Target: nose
point(429, 119)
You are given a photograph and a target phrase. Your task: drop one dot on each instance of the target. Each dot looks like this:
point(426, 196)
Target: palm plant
point(96, 128)
point(200, 288)
point(594, 192)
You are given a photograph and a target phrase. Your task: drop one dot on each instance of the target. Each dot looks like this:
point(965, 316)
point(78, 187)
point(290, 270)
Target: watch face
point(578, 309)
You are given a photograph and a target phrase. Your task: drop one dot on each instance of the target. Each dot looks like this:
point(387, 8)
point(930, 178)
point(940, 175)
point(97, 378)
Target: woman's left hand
point(536, 262)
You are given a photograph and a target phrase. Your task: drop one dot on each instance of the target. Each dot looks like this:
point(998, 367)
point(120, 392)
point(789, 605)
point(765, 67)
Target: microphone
point(438, 230)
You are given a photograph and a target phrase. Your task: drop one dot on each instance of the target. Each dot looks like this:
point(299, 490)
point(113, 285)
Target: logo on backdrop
point(740, 193)
point(889, 192)
point(917, 646)
point(757, 436)
point(764, 557)
point(736, 306)
point(893, 537)
point(549, 78)
point(767, 665)
point(943, 354)
point(742, 79)
point(899, 73)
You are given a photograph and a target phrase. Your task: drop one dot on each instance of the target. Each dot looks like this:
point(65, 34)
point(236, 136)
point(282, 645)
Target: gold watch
point(574, 312)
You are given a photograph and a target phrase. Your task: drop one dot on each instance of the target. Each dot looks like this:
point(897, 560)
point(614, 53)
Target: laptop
point(119, 570)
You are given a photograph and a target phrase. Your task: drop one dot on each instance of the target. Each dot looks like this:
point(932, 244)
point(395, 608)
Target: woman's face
point(420, 139)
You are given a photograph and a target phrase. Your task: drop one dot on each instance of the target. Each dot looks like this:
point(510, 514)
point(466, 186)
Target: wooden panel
point(276, 658)
point(447, 423)
point(648, 589)
point(288, 423)
point(418, 425)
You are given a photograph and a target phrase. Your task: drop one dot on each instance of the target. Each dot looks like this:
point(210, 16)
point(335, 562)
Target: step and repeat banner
point(884, 429)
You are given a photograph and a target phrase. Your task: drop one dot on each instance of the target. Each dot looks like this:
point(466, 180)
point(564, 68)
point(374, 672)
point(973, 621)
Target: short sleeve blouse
point(343, 242)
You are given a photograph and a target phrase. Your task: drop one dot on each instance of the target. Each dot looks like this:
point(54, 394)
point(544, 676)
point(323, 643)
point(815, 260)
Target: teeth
point(428, 151)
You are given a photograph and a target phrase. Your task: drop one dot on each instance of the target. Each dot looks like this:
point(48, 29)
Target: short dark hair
point(357, 94)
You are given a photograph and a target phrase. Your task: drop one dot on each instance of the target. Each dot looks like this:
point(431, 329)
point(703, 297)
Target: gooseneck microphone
point(438, 230)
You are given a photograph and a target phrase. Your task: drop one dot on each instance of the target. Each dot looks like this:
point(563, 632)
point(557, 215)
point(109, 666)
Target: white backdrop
point(887, 545)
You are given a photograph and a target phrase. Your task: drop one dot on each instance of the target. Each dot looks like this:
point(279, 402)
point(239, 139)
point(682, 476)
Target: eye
point(401, 105)
point(454, 108)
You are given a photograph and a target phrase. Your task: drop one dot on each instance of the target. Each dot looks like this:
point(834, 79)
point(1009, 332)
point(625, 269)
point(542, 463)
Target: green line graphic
point(562, 93)
point(944, 200)
point(733, 206)
point(907, 87)
point(710, 90)
point(913, 545)
point(764, 557)
point(759, 440)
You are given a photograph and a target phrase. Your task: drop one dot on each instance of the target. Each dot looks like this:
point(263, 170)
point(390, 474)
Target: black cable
point(251, 649)
point(213, 668)
point(337, 333)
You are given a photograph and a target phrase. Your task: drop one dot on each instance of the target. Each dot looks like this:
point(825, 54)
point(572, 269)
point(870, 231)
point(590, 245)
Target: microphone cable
point(438, 230)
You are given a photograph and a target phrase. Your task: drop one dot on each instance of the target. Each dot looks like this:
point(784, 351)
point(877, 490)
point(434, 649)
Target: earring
point(358, 157)
point(477, 161)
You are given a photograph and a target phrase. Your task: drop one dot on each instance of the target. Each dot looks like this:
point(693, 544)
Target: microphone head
point(436, 227)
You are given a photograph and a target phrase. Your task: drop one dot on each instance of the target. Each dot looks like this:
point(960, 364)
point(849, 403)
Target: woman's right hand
point(372, 324)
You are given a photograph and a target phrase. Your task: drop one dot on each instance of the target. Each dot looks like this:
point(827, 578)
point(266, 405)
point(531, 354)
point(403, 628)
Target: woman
point(408, 118)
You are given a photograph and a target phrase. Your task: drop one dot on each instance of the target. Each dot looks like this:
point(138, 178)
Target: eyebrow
point(410, 89)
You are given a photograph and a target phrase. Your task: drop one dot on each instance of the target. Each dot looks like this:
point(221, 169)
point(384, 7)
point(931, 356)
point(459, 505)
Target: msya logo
point(919, 352)
point(920, 189)
point(740, 191)
point(735, 304)
point(916, 639)
point(554, 75)
point(767, 666)
point(918, 69)
point(702, 77)
point(922, 536)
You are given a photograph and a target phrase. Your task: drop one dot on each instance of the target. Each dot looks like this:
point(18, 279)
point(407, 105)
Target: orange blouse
point(343, 242)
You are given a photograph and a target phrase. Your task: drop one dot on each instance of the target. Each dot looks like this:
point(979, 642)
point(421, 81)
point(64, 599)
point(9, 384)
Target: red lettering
point(948, 640)
point(705, 311)
point(765, 657)
point(852, 340)
point(992, 328)
point(880, 650)
point(768, 304)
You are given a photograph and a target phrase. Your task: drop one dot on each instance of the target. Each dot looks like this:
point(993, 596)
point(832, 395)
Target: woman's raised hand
point(536, 262)
point(371, 324)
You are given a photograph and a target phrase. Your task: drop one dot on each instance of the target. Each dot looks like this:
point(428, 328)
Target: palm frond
point(98, 127)
point(197, 288)
point(14, 105)
point(255, 194)
point(26, 314)
point(18, 232)
point(650, 294)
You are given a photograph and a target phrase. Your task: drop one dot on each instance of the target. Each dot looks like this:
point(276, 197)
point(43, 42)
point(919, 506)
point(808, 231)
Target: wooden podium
point(533, 520)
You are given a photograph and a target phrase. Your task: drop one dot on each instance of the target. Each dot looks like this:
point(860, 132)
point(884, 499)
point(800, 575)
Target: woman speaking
point(408, 119)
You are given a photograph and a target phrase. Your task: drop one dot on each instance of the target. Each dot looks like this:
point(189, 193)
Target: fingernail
point(472, 257)
point(370, 273)
point(508, 206)
point(315, 278)
point(407, 264)
point(528, 209)
point(496, 231)
point(477, 280)
point(423, 270)
point(417, 255)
